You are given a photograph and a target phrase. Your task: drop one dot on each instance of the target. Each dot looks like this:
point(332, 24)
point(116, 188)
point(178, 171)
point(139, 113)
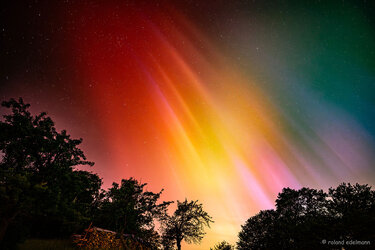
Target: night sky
point(226, 102)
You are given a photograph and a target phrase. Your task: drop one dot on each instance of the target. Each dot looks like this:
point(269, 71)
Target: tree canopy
point(223, 246)
point(307, 218)
point(39, 185)
point(128, 208)
point(187, 223)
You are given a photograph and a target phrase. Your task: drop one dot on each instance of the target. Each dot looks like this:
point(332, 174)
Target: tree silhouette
point(301, 218)
point(305, 217)
point(352, 208)
point(187, 223)
point(259, 232)
point(128, 209)
point(38, 182)
point(223, 246)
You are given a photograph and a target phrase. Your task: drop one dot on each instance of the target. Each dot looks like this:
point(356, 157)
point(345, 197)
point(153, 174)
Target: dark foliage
point(39, 187)
point(309, 218)
point(352, 209)
point(129, 209)
point(223, 246)
point(187, 223)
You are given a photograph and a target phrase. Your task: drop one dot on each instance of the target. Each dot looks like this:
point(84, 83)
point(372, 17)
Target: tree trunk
point(178, 244)
point(4, 223)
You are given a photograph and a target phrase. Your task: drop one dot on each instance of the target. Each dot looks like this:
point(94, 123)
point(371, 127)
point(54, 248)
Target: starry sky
point(226, 102)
